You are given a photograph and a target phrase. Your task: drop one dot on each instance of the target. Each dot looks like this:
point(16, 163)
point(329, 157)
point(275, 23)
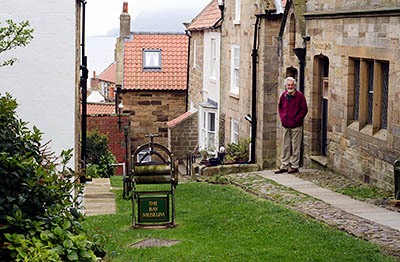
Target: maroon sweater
point(293, 110)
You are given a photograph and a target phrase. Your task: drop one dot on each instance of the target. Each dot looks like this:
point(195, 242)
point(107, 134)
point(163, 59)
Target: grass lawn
point(223, 223)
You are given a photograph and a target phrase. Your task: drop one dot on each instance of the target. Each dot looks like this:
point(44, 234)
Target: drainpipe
point(301, 55)
point(187, 73)
point(254, 55)
point(83, 84)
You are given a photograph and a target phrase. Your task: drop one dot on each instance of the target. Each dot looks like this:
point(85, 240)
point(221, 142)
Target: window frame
point(206, 131)
point(235, 70)
point(236, 19)
point(194, 53)
point(213, 58)
point(151, 68)
point(141, 154)
point(369, 87)
point(234, 134)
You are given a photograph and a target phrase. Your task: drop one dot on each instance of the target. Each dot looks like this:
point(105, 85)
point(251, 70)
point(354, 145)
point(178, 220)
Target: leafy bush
point(38, 216)
point(238, 151)
point(99, 157)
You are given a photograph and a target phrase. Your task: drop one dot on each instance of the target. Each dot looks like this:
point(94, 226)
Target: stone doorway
point(320, 106)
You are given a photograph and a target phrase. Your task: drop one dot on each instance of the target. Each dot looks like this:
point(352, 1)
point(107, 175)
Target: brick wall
point(150, 111)
point(108, 124)
point(183, 137)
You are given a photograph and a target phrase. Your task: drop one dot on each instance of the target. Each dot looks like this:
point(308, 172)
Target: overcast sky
point(102, 16)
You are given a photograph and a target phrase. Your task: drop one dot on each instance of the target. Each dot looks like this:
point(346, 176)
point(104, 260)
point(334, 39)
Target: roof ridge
point(156, 33)
point(199, 14)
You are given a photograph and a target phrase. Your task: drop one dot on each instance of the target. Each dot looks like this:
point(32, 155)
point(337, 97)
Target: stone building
point(350, 83)
point(151, 79)
point(238, 42)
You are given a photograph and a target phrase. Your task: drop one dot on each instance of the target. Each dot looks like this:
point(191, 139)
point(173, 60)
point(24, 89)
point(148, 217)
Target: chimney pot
point(125, 8)
point(94, 74)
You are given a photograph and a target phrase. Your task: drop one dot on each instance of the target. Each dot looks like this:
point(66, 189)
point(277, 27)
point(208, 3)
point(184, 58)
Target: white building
point(45, 80)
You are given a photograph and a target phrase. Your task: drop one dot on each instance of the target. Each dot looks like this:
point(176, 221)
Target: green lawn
point(223, 223)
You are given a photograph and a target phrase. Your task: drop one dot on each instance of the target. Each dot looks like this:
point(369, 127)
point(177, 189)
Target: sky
point(102, 16)
point(102, 24)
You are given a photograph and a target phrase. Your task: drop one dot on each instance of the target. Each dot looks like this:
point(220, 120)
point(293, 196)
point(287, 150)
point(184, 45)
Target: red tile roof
point(179, 119)
point(207, 18)
point(100, 109)
point(174, 50)
point(109, 73)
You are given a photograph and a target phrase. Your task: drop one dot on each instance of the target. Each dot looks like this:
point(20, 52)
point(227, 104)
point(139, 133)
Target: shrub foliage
point(38, 216)
point(99, 157)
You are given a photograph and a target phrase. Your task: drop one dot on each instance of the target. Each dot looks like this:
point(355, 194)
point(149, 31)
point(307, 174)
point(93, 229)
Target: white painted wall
point(210, 84)
point(211, 87)
point(43, 81)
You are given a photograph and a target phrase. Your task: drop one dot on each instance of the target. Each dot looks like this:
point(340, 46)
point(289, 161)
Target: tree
point(12, 36)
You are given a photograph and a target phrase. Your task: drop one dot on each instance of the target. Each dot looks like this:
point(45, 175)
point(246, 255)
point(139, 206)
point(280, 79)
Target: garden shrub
point(99, 157)
point(39, 220)
point(238, 151)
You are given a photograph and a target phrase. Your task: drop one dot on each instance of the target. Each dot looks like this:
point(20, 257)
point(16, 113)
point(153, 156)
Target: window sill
point(354, 126)
point(321, 160)
point(368, 130)
point(233, 95)
point(381, 134)
point(236, 22)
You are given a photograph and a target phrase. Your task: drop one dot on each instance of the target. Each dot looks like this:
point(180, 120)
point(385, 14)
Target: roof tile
point(179, 119)
point(207, 18)
point(109, 73)
point(100, 109)
point(173, 75)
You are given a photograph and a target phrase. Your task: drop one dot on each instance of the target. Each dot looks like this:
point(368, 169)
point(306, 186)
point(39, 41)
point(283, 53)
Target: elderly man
point(292, 110)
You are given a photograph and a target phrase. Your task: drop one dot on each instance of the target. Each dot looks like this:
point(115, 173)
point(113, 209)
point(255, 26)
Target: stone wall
point(238, 106)
point(183, 136)
point(332, 5)
point(235, 106)
point(267, 90)
point(361, 150)
point(150, 111)
point(195, 96)
point(108, 124)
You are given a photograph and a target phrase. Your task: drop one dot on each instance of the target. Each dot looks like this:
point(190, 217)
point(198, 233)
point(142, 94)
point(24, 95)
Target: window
point(194, 52)
point(141, 154)
point(151, 59)
point(213, 62)
point(235, 69)
point(292, 34)
point(234, 131)
point(208, 130)
point(104, 89)
point(237, 12)
point(370, 86)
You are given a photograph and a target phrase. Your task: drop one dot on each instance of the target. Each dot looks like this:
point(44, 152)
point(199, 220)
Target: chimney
point(125, 22)
point(94, 74)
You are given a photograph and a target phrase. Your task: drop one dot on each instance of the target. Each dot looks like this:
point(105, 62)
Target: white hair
point(291, 79)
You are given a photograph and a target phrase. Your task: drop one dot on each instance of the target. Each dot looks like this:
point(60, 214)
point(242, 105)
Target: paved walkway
point(97, 198)
point(371, 212)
